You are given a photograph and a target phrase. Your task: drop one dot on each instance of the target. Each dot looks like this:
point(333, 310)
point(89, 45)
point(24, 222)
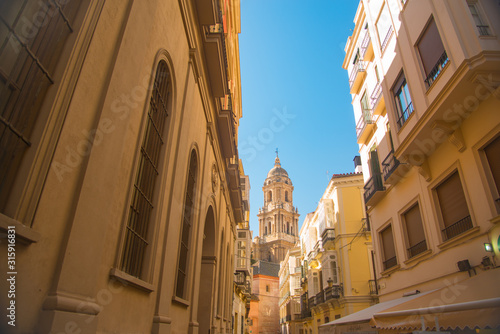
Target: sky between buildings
point(295, 96)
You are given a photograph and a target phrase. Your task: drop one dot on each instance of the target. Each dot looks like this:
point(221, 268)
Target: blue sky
point(295, 95)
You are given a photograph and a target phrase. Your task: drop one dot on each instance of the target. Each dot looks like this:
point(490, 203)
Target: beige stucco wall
point(64, 278)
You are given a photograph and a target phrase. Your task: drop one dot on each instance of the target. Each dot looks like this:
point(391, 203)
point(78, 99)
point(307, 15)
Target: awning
point(360, 321)
point(473, 303)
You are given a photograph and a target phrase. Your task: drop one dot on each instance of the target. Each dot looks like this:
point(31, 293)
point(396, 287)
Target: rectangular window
point(454, 211)
point(404, 105)
point(32, 38)
point(414, 231)
point(432, 53)
point(389, 251)
point(482, 28)
point(492, 152)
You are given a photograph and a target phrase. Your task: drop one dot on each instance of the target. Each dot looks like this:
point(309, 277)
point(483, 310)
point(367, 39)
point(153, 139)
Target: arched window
point(187, 222)
point(288, 227)
point(269, 196)
point(265, 230)
point(286, 196)
point(138, 235)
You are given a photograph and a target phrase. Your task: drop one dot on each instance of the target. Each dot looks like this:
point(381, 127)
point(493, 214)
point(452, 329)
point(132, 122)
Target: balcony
point(386, 39)
point(457, 228)
point(374, 190)
point(437, 69)
point(391, 262)
point(320, 298)
point(288, 317)
point(333, 292)
point(365, 126)
point(392, 169)
point(367, 48)
point(483, 30)
point(312, 301)
point(417, 249)
point(328, 235)
point(373, 287)
point(377, 100)
point(357, 76)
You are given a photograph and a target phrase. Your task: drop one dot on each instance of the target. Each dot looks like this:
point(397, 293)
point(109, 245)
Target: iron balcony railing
point(366, 118)
point(483, 30)
point(373, 185)
point(332, 292)
point(312, 301)
point(457, 228)
point(405, 114)
point(376, 94)
point(365, 43)
point(373, 287)
point(288, 317)
point(386, 39)
point(389, 164)
point(358, 67)
point(417, 249)
point(328, 235)
point(437, 69)
point(320, 298)
point(389, 263)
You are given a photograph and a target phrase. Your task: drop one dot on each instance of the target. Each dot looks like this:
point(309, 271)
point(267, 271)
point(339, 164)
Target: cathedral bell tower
point(278, 218)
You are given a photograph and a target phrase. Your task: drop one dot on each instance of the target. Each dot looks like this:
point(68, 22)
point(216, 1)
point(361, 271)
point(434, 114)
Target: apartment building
point(120, 186)
point(424, 78)
point(243, 268)
point(336, 246)
point(290, 290)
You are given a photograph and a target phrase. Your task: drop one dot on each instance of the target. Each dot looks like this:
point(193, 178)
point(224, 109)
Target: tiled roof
point(336, 176)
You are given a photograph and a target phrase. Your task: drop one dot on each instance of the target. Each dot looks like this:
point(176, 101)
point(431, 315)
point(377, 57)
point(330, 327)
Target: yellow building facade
point(336, 245)
point(424, 79)
point(120, 188)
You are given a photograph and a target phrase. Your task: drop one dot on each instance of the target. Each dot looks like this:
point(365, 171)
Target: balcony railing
point(333, 292)
point(366, 118)
point(365, 43)
point(389, 164)
point(405, 115)
point(376, 94)
point(417, 249)
point(288, 317)
point(358, 67)
point(437, 69)
point(373, 287)
point(483, 30)
point(389, 263)
point(457, 228)
point(320, 298)
point(373, 185)
point(312, 301)
point(386, 39)
point(328, 235)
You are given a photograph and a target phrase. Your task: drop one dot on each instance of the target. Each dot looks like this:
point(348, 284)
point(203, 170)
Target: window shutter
point(452, 200)
point(430, 47)
point(493, 155)
point(388, 243)
point(414, 228)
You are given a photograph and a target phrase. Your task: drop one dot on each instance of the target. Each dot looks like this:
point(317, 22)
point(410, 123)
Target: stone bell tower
point(278, 218)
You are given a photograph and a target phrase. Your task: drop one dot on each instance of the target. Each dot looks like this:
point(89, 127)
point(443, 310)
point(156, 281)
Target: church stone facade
point(278, 218)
